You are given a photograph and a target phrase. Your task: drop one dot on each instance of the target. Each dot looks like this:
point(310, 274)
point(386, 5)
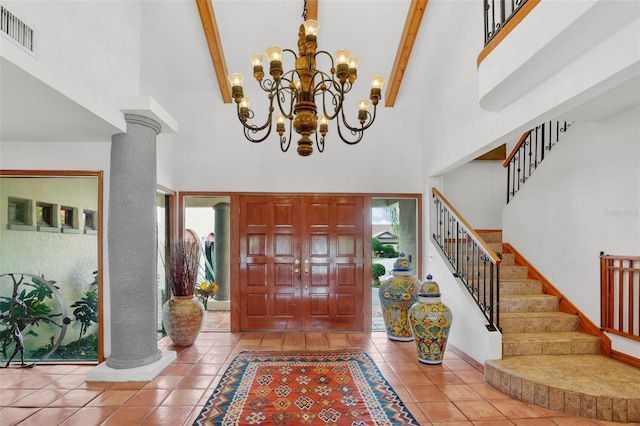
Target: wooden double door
point(301, 263)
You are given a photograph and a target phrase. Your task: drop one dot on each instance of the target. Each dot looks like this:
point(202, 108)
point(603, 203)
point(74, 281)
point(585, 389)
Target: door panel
point(269, 289)
point(332, 290)
point(301, 263)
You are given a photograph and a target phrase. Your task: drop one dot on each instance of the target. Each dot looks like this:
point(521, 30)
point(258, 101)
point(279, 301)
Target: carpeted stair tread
point(528, 303)
point(589, 385)
point(535, 322)
point(516, 286)
point(556, 343)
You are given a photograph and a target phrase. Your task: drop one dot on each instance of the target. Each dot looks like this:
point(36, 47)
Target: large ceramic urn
point(397, 294)
point(182, 318)
point(430, 322)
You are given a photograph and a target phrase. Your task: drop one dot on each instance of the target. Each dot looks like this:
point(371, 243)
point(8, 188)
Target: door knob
point(296, 270)
point(306, 266)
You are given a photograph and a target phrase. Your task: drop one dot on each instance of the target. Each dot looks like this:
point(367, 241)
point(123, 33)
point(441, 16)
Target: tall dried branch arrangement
point(182, 267)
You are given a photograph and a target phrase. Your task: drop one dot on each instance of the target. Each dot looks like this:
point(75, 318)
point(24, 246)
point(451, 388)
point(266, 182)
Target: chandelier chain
point(304, 10)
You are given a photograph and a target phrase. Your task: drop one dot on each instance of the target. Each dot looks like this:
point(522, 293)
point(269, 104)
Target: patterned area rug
point(304, 388)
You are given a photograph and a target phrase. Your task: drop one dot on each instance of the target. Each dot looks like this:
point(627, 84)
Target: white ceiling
point(175, 54)
point(174, 50)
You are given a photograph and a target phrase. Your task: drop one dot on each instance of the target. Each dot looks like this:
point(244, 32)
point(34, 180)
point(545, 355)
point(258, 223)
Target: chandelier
point(306, 98)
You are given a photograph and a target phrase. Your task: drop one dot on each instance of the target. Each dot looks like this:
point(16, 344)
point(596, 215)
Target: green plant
point(86, 309)
point(28, 307)
point(389, 252)
point(377, 270)
point(376, 245)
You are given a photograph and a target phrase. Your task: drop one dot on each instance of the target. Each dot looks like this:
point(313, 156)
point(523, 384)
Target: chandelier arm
point(356, 132)
point(320, 143)
point(369, 121)
point(336, 100)
point(251, 129)
point(285, 142)
point(281, 97)
point(250, 115)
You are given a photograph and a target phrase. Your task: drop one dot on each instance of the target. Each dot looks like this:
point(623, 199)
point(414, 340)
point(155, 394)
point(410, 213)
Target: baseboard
point(626, 358)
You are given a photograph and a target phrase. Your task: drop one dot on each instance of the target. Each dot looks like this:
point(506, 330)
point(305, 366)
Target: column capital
point(143, 121)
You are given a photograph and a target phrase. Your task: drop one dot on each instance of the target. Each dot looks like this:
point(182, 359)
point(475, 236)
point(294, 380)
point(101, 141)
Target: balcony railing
point(496, 14)
point(620, 295)
point(474, 262)
point(529, 152)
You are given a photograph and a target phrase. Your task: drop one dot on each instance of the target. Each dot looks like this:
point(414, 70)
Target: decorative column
point(222, 253)
point(132, 245)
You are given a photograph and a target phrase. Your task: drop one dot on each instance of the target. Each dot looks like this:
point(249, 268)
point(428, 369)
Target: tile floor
point(452, 394)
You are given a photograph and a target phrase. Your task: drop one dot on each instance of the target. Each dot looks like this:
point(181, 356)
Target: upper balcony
point(558, 57)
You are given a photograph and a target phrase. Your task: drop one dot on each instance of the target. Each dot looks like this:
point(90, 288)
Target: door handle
point(306, 266)
point(296, 270)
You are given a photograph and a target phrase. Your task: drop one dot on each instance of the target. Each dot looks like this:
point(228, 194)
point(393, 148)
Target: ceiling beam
point(409, 34)
point(312, 9)
point(205, 9)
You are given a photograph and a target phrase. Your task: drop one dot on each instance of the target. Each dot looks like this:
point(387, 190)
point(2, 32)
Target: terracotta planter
point(182, 319)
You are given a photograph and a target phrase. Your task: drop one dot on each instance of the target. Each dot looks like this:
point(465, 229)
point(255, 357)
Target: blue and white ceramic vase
point(397, 294)
point(430, 322)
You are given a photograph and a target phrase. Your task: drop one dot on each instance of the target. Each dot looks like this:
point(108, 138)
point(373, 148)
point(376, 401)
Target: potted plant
point(377, 270)
point(183, 313)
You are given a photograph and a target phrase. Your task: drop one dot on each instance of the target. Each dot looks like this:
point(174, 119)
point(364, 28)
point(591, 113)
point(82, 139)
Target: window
point(44, 214)
point(67, 217)
point(19, 211)
point(90, 220)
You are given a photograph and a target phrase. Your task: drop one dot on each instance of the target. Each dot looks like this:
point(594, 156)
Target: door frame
point(235, 238)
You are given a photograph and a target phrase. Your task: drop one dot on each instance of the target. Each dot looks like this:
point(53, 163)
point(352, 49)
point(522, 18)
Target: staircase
point(546, 361)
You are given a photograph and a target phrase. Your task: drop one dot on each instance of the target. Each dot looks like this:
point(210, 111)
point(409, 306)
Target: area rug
point(304, 388)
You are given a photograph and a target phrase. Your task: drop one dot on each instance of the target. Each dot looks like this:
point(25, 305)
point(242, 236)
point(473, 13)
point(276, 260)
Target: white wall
point(583, 199)
point(478, 191)
point(88, 51)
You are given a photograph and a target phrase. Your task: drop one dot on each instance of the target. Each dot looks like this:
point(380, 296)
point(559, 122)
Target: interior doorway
point(394, 230)
point(207, 220)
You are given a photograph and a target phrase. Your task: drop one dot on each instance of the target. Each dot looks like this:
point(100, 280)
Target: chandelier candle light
point(296, 92)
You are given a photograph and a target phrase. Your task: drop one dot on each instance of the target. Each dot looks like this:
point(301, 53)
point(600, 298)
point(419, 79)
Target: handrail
point(620, 295)
point(490, 252)
point(515, 149)
point(530, 151)
point(475, 263)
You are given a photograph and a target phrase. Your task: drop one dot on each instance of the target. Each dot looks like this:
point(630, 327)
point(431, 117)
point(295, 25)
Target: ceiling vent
point(17, 30)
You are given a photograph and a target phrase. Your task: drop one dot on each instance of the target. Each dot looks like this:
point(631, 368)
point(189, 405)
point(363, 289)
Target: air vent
point(16, 29)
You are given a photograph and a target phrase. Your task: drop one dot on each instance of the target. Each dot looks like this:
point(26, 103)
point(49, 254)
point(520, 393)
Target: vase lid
point(402, 264)
point(430, 288)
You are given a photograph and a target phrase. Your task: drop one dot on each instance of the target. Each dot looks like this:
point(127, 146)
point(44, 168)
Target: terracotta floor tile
point(9, 396)
point(76, 398)
point(112, 398)
point(148, 398)
point(40, 398)
point(459, 392)
point(441, 411)
point(14, 415)
point(163, 416)
point(183, 397)
point(453, 393)
point(50, 415)
point(128, 416)
point(515, 409)
point(479, 410)
point(163, 382)
point(426, 393)
point(89, 416)
point(195, 382)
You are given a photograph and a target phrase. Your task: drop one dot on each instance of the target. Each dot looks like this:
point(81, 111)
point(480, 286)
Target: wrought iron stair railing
point(529, 152)
point(473, 261)
point(496, 14)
